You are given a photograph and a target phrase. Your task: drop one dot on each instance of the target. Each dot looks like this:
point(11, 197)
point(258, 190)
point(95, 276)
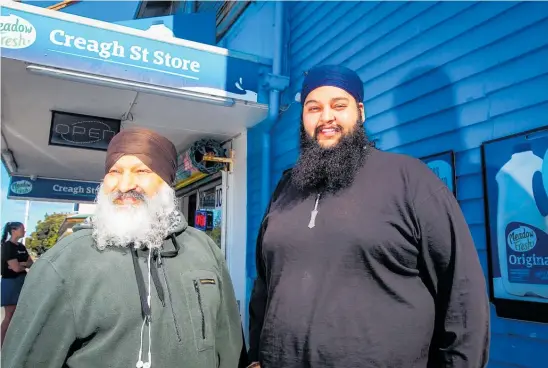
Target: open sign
point(82, 131)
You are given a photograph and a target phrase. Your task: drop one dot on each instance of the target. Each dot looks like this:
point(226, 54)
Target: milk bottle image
point(521, 238)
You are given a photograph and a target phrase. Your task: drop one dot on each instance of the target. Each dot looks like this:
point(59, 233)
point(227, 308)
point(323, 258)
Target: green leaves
point(46, 233)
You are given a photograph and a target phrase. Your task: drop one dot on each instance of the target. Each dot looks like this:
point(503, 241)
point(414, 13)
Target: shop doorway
point(204, 206)
point(191, 209)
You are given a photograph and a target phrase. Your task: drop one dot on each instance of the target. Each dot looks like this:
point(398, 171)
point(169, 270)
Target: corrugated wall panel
point(437, 76)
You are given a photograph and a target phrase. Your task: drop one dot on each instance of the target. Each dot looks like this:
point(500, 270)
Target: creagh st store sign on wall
point(44, 189)
point(55, 42)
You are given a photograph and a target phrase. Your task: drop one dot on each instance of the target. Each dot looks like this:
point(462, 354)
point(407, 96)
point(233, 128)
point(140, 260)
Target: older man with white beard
point(135, 287)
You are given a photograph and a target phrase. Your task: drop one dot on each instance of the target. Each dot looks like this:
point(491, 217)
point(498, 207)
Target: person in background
point(15, 261)
point(364, 258)
point(137, 287)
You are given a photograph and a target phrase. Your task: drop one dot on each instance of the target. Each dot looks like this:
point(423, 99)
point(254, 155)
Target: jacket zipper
point(175, 323)
point(197, 288)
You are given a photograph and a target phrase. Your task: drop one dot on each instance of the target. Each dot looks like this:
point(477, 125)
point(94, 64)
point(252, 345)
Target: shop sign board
point(61, 41)
point(52, 190)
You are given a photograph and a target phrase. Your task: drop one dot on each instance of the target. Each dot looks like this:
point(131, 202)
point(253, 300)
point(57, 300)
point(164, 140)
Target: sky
point(14, 210)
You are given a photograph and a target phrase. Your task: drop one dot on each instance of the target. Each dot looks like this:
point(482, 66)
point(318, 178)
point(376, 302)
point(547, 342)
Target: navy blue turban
point(333, 76)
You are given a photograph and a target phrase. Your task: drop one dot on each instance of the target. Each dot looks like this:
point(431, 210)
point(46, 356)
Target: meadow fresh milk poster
point(516, 178)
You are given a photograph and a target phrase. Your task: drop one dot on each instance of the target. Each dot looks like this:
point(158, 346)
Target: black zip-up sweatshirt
point(388, 277)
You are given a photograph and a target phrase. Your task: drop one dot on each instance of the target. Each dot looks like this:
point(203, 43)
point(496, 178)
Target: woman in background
point(15, 261)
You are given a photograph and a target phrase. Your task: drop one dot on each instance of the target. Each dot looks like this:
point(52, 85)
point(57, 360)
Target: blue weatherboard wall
point(438, 76)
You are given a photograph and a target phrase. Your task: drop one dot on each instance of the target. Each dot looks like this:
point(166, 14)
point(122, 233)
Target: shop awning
point(57, 62)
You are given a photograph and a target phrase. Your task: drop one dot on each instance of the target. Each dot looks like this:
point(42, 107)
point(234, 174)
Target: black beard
point(331, 169)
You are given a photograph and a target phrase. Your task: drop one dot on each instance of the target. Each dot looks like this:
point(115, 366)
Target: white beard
point(146, 225)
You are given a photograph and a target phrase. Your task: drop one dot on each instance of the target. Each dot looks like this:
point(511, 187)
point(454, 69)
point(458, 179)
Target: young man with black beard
point(364, 258)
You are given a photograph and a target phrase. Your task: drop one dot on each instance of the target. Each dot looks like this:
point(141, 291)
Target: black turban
point(155, 150)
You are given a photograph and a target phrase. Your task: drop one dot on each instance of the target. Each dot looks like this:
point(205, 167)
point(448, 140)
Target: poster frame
point(453, 165)
point(506, 308)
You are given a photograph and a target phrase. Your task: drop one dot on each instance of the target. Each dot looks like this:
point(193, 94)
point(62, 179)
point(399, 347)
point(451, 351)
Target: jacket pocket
point(203, 298)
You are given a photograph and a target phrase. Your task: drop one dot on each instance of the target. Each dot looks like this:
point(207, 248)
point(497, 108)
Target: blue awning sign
point(60, 41)
point(53, 190)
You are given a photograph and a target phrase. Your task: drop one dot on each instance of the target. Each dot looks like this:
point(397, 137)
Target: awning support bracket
point(62, 4)
point(272, 81)
point(227, 160)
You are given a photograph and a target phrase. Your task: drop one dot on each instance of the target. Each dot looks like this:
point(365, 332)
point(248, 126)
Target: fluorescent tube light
point(9, 161)
point(129, 85)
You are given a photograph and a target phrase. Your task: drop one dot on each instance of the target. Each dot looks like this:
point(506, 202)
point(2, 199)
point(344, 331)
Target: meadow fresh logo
point(16, 32)
point(21, 187)
point(522, 239)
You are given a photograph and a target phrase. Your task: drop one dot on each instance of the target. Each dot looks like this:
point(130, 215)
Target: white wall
point(86, 208)
point(236, 221)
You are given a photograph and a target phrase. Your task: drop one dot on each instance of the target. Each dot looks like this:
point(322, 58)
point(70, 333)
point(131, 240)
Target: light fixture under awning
point(129, 85)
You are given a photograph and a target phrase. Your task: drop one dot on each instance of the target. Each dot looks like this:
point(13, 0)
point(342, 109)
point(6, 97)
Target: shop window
point(227, 13)
point(149, 9)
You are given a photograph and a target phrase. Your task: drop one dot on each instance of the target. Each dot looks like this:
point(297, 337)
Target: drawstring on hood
point(154, 257)
point(147, 320)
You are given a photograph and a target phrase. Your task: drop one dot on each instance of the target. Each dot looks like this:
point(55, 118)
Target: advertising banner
point(443, 165)
point(78, 46)
point(53, 190)
point(516, 191)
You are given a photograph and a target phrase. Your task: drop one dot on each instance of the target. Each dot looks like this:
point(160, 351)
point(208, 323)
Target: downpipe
point(276, 83)
point(274, 104)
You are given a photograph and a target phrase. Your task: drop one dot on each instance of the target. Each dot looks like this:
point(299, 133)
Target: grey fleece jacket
point(80, 307)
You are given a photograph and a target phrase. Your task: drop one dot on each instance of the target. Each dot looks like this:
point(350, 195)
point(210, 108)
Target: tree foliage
point(46, 233)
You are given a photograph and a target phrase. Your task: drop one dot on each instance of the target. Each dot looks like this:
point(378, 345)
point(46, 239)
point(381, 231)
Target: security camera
point(33, 177)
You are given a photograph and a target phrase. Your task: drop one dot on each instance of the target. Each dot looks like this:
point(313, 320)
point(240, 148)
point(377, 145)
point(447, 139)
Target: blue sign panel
point(54, 190)
point(54, 42)
point(443, 165)
point(516, 182)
